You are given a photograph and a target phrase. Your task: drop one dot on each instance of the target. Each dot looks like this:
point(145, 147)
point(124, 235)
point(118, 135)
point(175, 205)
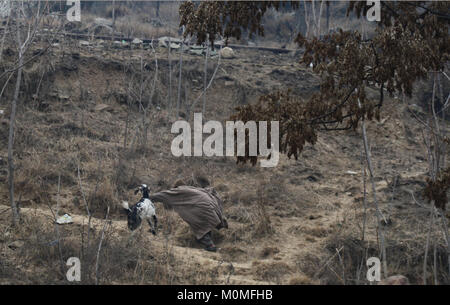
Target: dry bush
point(269, 251)
point(131, 27)
point(302, 280)
point(405, 258)
point(272, 272)
point(122, 259)
point(263, 225)
point(119, 11)
point(103, 196)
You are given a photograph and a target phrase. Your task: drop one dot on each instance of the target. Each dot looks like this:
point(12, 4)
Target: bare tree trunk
point(209, 84)
point(307, 19)
point(372, 180)
point(313, 9)
point(319, 23)
point(15, 211)
point(100, 247)
point(179, 80)
point(158, 3)
point(205, 76)
point(113, 21)
point(430, 229)
point(4, 36)
point(169, 97)
point(328, 16)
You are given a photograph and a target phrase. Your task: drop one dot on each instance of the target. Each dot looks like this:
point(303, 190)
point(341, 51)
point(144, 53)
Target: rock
point(196, 52)
point(16, 244)
point(416, 109)
point(137, 41)
point(102, 107)
point(227, 53)
point(2, 111)
point(175, 46)
point(395, 280)
point(351, 173)
point(84, 43)
point(164, 41)
point(103, 22)
point(65, 219)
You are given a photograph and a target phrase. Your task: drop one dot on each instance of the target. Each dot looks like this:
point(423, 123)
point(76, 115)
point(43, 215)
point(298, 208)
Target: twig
point(327, 262)
point(100, 246)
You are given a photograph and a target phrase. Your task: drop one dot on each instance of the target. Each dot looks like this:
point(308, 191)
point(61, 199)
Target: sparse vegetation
point(94, 116)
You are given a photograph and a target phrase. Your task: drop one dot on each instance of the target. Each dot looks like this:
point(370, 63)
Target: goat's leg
point(155, 221)
point(152, 226)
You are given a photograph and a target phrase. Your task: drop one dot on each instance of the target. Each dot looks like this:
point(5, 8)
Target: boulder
point(137, 41)
point(227, 53)
point(16, 244)
point(102, 107)
point(164, 41)
point(196, 51)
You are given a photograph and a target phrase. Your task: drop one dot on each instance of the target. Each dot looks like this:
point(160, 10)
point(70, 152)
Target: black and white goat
point(143, 209)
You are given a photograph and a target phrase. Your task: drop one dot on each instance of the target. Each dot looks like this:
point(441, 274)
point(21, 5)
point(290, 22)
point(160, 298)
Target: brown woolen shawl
point(201, 208)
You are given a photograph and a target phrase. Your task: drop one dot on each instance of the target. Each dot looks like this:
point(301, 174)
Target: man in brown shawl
point(201, 208)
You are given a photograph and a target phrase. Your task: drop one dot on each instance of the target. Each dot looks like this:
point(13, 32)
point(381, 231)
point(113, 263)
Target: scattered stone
point(351, 172)
point(2, 111)
point(175, 46)
point(84, 43)
point(196, 51)
point(227, 53)
point(65, 219)
point(312, 179)
point(16, 244)
point(164, 41)
point(137, 41)
point(416, 109)
point(395, 280)
point(102, 107)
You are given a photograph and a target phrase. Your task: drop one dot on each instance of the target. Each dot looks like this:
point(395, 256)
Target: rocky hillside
point(80, 139)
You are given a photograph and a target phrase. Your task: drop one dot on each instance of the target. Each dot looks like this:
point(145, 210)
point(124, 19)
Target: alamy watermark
point(74, 272)
point(74, 12)
point(214, 144)
point(374, 12)
point(373, 269)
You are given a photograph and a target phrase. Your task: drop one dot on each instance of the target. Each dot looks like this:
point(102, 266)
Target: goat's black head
point(143, 188)
point(133, 218)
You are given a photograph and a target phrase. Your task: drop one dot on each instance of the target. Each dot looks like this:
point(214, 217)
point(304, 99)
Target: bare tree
point(179, 78)
point(22, 47)
point(205, 76)
point(379, 214)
